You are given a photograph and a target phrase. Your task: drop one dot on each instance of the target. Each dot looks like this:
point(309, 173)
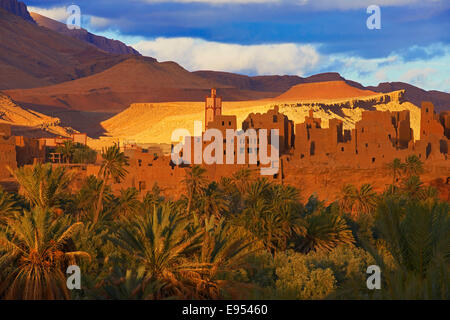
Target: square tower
point(213, 107)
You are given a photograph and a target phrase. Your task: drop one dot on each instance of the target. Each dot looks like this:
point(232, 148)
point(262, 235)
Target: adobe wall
point(429, 122)
point(272, 119)
point(327, 182)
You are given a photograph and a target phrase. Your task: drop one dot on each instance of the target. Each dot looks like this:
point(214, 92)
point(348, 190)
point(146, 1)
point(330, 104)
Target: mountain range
point(48, 68)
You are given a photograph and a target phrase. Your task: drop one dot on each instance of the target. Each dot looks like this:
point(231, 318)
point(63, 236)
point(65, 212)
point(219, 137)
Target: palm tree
point(259, 189)
point(161, 242)
point(223, 250)
point(153, 198)
point(284, 200)
point(36, 246)
point(8, 206)
point(214, 202)
point(413, 188)
point(284, 196)
point(270, 214)
point(128, 203)
point(417, 237)
point(323, 231)
point(195, 182)
point(359, 201)
point(43, 185)
point(396, 167)
point(113, 166)
point(66, 150)
point(242, 179)
point(131, 285)
point(413, 166)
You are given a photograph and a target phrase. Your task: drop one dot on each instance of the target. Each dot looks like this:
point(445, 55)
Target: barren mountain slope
point(323, 90)
point(32, 56)
point(102, 43)
point(138, 79)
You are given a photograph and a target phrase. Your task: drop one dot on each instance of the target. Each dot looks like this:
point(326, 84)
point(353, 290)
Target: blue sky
point(300, 37)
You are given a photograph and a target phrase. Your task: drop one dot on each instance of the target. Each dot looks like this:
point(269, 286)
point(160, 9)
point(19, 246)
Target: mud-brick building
point(245, 143)
point(7, 151)
point(311, 140)
point(145, 165)
point(381, 136)
point(272, 119)
point(378, 138)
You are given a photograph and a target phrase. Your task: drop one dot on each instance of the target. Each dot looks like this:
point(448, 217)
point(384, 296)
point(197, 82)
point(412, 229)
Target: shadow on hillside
point(82, 121)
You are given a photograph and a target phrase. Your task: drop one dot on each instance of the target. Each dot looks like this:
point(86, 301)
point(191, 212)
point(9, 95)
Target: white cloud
point(198, 54)
point(60, 14)
point(427, 72)
point(418, 77)
point(360, 4)
point(99, 22)
point(301, 59)
point(314, 4)
point(56, 13)
point(217, 1)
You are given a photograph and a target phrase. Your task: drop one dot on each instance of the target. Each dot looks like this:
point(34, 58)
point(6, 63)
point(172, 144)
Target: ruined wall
point(7, 151)
point(272, 119)
point(29, 151)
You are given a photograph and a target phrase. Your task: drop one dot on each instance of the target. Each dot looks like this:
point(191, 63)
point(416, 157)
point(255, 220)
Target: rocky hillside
point(28, 122)
point(441, 100)
point(17, 8)
point(32, 56)
point(102, 43)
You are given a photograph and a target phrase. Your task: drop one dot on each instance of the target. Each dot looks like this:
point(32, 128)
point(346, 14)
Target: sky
point(268, 37)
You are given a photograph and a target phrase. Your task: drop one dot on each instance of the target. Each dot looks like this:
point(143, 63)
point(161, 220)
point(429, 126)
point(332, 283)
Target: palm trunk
point(189, 204)
point(100, 200)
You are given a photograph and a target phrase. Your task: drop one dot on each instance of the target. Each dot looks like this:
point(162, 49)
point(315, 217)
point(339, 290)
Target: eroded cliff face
point(367, 102)
point(18, 8)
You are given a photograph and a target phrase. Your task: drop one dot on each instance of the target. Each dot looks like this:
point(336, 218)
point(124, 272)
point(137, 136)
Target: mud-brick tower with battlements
point(213, 107)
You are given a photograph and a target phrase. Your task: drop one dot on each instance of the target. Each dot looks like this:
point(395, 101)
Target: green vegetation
point(241, 238)
point(76, 153)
